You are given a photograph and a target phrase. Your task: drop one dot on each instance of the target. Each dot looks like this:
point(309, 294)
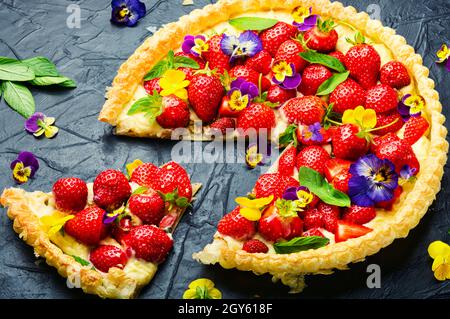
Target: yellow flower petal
point(215, 293)
point(369, 119)
point(201, 282)
point(438, 248)
point(133, 165)
point(21, 173)
point(53, 223)
point(443, 53)
point(438, 261)
point(252, 214)
point(348, 117)
point(190, 294)
point(49, 120)
point(442, 271)
point(254, 203)
point(50, 131)
point(165, 83)
point(174, 76)
point(181, 93)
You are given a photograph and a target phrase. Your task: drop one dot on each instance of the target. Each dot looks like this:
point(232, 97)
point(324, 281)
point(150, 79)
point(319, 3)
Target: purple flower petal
point(407, 172)
point(291, 82)
point(290, 195)
point(228, 44)
point(358, 187)
point(109, 220)
point(135, 11)
point(29, 160)
point(250, 42)
point(379, 193)
point(447, 65)
point(31, 124)
point(188, 43)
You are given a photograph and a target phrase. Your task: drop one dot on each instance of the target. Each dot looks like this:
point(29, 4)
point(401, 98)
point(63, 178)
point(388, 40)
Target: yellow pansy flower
point(440, 252)
point(132, 166)
point(365, 119)
point(174, 82)
point(251, 208)
point(300, 13)
point(443, 53)
point(281, 70)
point(202, 289)
point(252, 157)
point(416, 103)
point(238, 102)
point(21, 173)
point(53, 223)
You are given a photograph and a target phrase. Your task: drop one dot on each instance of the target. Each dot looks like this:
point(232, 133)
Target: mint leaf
point(330, 84)
point(288, 136)
point(140, 190)
point(41, 66)
point(19, 98)
point(13, 70)
point(150, 104)
point(157, 71)
point(81, 261)
point(324, 59)
point(317, 184)
point(68, 83)
point(184, 62)
point(300, 244)
point(252, 23)
point(48, 80)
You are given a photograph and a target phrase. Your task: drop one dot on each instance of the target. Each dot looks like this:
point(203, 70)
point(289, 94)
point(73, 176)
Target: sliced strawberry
point(346, 230)
point(152, 85)
point(415, 128)
point(334, 166)
point(330, 216)
point(313, 232)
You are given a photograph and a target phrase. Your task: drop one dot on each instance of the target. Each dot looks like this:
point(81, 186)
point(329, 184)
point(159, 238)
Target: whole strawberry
point(215, 57)
point(149, 207)
point(273, 184)
point(322, 37)
point(330, 216)
point(399, 152)
point(289, 52)
point(391, 119)
point(346, 143)
point(363, 62)
point(172, 176)
point(415, 128)
point(395, 74)
point(174, 112)
point(205, 93)
point(105, 257)
point(261, 62)
point(287, 160)
point(382, 98)
point(152, 85)
point(304, 110)
point(359, 215)
point(145, 174)
point(257, 116)
point(236, 226)
point(254, 246)
point(312, 219)
point(249, 75)
point(111, 189)
point(340, 181)
point(223, 124)
point(273, 226)
point(276, 94)
point(314, 157)
point(150, 243)
point(273, 37)
point(70, 194)
point(87, 226)
point(313, 76)
point(347, 96)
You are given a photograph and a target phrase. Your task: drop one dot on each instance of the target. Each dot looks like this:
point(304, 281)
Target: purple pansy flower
point(194, 44)
point(304, 20)
point(127, 12)
point(285, 76)
point(410, 105)
point(313, 133)
point(24, 167)
point(246, 45)
point(245, 87)
point(373, 180)
point(38, 124)
point(407, 172)
point(300, 194)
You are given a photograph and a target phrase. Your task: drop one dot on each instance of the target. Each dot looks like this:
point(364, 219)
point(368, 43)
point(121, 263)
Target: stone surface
point(84, 147)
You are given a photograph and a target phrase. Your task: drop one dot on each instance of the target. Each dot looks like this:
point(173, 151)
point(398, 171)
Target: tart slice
point(107, 237)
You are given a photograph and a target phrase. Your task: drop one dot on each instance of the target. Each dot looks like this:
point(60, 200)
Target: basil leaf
point(317, 184)
point(288, 136)
point(48, 80)
point(330, 84)
point(68, 83)
point(81, 261)
point(41, 66)
point(324, 59)
point(252, 23)
point(19, 98)
point(140, 190)
point(300, 244)
point(184, 62)
point(157, 71)
point(13, 70)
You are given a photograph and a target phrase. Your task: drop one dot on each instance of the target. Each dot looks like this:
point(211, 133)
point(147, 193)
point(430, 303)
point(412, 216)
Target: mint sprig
point(288, 136)
point(170, 62)
point(252, 23)
point(151, 105)
point(324, 59)
point(328, 86)
point(300, 244)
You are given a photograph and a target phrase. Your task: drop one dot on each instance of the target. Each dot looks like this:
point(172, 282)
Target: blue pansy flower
point(246, 45)
point(127, 12)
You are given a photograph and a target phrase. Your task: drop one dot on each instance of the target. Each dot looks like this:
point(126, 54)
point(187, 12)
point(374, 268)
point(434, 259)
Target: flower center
point(124, 12)
point(21, 173)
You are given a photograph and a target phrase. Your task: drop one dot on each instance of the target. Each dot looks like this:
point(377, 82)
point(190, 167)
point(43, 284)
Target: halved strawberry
point(334, 166)
point(236, 226)
point(415, 128)
point(346, 230)
point(273, 226)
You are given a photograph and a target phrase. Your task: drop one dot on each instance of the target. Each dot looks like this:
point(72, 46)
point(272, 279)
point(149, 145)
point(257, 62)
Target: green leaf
point(157, 71)
point(317, 184)
point(330, 84)
point(81, 261)
point(185, 62)
point(288, 136)
point(300, 244)
point(68, 83)
point(140, 190)
point(19, 98)
point(48, 80)
point(252, 23)
point(150, 104)
point(182, 202)
point(13, 70)
point(324, 59)
point(41, 66)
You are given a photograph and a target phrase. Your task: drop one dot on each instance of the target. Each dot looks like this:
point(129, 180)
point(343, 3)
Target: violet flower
point(127, 12)
point(24, 167)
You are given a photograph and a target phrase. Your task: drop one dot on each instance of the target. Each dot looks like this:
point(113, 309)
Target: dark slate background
point(84, 147)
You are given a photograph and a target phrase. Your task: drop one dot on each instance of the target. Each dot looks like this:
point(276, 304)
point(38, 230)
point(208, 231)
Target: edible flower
point(110, 217)
point(285, 76)
point(301, 195)
point(365, 119)
point(411, 105)
point(132, 166)
point(241, 93)
point(24, 167)
point(253, 157)
point(313, 132)
point(38, 124)
point(288, 208)
point(251, 208)
point(246, 45)
point(440, 252)
point(202, 289)
point(303, 18)
point(127, 12)
point(55, 222)
point(407, 173)
point(174, 82)
point(444, 56)
point(373, 180)
point(195, 45)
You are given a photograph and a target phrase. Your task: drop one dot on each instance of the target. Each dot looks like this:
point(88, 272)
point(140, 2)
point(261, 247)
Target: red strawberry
point(313, 76)
point(304, 110)
point(322, 37)
point(150, 243)
point(273, 184)
point(175, 112)
point(378, 140)
point(358, 214)
point(338, 55)
point(144, 174)
point(223, 124)
point(197, 59)
point(289, 52)
point(313, 157)
point(236, 226)
point(313, 219)
point(346, 230)
point(87, 226)
point(399, 153)
point(363, 62)
point(149, 207)
point(151, 85)
point(256, 116)
point(335, 166)
point(347, 96)
point(272, 38)
point(111, 189)
point(255, 246)
point(394, 74)
point(381, 98)
point(279, 95)
point(272, 226)
point(225, 109)
point(330, 215)
point(121, 230)
point(313, 232)
point(387, 205)
point(173, 176)
point(249, 75)
point(215, 56)
point(415, 127)
point(70, 194)
point(286, 162)
point(346, 144)
point(205, 93)
point(107, 256)
point(340, 181)
point(261, 62)
point(386, 119)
